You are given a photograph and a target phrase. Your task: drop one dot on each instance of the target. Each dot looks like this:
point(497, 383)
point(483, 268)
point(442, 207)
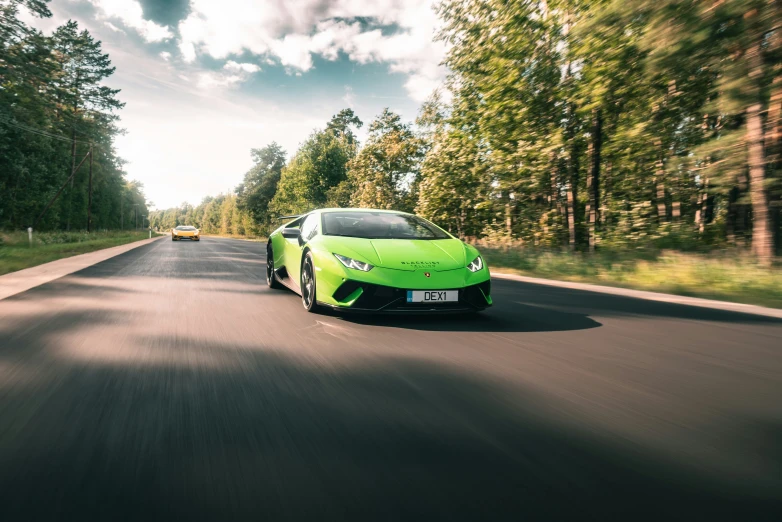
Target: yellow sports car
point(185, 232)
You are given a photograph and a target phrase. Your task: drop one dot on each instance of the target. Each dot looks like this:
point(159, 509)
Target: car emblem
point(427, 274)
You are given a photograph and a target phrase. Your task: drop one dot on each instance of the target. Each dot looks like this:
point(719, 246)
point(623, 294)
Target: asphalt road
point(169, 383)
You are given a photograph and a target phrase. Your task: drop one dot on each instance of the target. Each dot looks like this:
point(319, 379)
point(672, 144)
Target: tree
point(309, 179)
point(51, 93)
point(83, 102)
point(453, 189)
point(384, 174)
point(255, 193)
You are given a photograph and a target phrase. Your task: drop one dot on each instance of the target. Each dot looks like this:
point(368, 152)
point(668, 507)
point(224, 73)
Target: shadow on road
point(259, 435)
point(501, 318)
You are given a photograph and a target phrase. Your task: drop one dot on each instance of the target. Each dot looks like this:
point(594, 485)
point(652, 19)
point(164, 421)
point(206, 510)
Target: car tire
point(308, 284)
point(271, 281)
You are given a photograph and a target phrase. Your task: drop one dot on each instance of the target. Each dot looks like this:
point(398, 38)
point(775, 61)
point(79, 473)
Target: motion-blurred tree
point(309, 179)
point(384, 174)
point(260, 183)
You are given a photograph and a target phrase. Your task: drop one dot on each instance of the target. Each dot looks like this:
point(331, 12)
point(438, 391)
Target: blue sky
point(206, 80)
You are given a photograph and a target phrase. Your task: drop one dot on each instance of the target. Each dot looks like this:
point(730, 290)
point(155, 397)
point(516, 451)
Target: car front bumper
point(356, 296)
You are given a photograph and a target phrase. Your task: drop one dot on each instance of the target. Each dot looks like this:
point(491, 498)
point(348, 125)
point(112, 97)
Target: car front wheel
point(308, 286)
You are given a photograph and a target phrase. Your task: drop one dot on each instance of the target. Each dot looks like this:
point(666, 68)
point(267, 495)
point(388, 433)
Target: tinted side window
point(310, 227)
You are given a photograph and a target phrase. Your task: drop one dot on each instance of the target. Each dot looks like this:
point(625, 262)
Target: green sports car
point(376, 261)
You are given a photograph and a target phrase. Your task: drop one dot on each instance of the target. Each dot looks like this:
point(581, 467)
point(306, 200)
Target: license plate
point(432, 296)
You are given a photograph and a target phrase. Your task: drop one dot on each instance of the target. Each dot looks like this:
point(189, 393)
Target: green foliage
point(730, 276)
point(255, 193)
point(308, 181)
point(220, 215)
point(53, 105)
point(672, 83)
point(586, 124)
point(384, 174)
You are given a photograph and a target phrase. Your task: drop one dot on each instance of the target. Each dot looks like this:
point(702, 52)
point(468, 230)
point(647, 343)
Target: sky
point(204, 81)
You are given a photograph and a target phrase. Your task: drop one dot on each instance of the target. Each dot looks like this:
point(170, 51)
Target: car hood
point(408, 254)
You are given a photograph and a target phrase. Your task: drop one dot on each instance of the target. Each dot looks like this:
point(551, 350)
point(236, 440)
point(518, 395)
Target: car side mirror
point(291, 233)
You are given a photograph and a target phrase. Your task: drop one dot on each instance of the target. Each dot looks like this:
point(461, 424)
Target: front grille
point(378, 297)
point(375, 297)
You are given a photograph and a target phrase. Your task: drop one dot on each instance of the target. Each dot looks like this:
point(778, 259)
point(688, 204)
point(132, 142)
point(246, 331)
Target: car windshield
point(185, 228)
point(379, 225)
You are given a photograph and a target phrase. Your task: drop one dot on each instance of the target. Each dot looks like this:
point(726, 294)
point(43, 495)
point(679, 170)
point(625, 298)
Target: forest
point(566, 124)
point(573, 124)
point(54, 110)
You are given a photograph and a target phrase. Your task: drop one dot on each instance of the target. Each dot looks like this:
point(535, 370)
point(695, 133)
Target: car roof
point(384, 211)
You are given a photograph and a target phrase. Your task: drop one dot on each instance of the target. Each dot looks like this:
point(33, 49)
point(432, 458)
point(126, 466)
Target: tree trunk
point(732, 216)
point(605, 197)
point(774, 152)
point(761, 226)
point(553, 198)
point(572, 198)
point(761, 229)
point(659, 179)
point(702, 208)
point(509, 221)
point(774, 126)
point(571, 215)
point(593, 178)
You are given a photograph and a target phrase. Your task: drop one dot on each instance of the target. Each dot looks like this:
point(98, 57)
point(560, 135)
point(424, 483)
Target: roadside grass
point(725, 275)
point(17, 254)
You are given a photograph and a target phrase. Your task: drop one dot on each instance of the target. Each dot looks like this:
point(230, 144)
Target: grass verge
point(725, 275)
point(17, 254)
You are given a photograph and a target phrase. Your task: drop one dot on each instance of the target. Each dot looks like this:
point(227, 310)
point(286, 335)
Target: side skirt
point(287, 282)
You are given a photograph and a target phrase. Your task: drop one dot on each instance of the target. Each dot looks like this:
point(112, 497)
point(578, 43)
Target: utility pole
point(73, 171)
point(121, 213)
point(89, 198)
point(135, 214)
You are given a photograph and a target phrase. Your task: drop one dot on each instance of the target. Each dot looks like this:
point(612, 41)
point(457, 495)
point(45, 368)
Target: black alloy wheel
point(308, 284)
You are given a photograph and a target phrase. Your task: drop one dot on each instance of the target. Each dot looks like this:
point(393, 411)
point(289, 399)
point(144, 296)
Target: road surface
point(170, 383)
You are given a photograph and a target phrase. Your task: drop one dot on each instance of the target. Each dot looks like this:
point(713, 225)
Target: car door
point(294, 247)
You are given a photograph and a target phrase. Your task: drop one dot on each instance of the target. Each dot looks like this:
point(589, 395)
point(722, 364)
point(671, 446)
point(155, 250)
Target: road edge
point(647, 295)
point(27, 278)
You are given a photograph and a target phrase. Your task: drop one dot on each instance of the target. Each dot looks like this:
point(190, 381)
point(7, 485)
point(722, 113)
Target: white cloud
point(165, 55)
point(131, 15)
point(233, 73)
point(210, 80)
point(293, 51)
point(114, 27)
point(241, 67)
point(292, 31)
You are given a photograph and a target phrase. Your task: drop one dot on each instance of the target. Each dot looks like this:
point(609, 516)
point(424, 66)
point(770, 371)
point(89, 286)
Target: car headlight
point(475, 265)
point(352, 263)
